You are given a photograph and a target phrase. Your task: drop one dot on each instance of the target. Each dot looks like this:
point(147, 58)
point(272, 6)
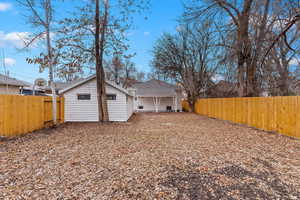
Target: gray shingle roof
point(83, 81)
point(6, 80)
point(155, 88)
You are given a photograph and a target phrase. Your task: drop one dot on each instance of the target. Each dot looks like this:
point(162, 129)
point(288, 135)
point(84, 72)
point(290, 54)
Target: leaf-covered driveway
point(154, 156)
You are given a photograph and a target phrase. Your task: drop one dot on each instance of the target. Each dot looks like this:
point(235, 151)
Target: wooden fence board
point(298, 118)
point(23, 114)
point(281, 114)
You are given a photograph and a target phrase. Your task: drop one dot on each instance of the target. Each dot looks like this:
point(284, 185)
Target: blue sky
point(161, 18)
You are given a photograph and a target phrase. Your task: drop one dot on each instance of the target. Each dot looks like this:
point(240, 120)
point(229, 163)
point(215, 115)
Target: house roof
point(61, 85)
point(89, 79)
point(6, 80)
point(155, 88)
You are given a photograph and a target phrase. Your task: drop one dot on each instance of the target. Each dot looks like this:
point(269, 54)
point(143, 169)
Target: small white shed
point(81, 104)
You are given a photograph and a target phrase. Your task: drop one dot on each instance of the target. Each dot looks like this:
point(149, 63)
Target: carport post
point(156, 102)
point(176, 103)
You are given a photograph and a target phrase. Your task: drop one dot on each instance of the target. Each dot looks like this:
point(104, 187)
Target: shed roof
point(155, 88)
point(89, 79)
point(6, 80)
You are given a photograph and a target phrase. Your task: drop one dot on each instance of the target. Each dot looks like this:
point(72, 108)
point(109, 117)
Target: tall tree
point(187, 58)
point(250, 22)
point(41, 16)
point(97, 30)
point(99, 51)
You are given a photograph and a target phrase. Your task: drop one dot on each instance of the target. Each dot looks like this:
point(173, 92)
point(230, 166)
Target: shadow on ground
point(230, 182)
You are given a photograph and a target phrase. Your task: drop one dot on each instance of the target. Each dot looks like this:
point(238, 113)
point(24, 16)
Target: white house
point(156, 96)
point(81, 101)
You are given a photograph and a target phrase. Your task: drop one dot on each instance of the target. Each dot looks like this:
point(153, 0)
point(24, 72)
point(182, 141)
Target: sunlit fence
point(280, 114)
point(24, 114)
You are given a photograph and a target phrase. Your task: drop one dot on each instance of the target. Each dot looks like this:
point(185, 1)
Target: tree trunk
point(50, 61)
point(284, 83)
point(192, 99)
point(100, 76)
point(245, 87)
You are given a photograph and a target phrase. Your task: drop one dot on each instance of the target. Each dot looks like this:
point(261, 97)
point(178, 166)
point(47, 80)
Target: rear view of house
point(81, 104)
point(157, 96)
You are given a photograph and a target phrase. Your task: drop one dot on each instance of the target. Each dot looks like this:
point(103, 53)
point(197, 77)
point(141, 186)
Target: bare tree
point(186, 58)
point(239, 14)
point(99, 51)
point(251, 22)
point(41, 16)
point(115, 69)
point(123, 71)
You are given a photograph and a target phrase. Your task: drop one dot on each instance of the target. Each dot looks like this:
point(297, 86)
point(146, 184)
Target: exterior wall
point(179, 100)
point(11, 89)
point(148, 104)
point(87, 110)
point(130, 107)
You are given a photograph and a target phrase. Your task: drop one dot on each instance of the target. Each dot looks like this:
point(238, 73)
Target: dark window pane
point(84, 96)
point(111, 96)
point(141, 107)
point(169, 108)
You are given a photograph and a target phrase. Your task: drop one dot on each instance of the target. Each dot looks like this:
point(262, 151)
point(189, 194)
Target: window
point(111, 96)
point(84, 96)
point(169, 108)
point(141, 107)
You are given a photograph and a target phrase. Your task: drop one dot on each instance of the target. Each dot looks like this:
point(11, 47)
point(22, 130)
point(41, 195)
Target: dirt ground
point(154, 156)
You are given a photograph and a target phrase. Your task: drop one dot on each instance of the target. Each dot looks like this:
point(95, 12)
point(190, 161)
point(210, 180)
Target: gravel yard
point(154, 156)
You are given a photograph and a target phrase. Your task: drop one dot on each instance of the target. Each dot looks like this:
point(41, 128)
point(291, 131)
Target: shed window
point(111, 96)
point(141, 107)
point(84, 96)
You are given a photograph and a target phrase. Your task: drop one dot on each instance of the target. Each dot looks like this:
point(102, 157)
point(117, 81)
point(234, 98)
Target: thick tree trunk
point(245, 69)
point(192, 99)
point(284, 83)
point(100, 76)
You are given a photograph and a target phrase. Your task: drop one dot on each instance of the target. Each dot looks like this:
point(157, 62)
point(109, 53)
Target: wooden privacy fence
point(280, 114)
point(24, 114)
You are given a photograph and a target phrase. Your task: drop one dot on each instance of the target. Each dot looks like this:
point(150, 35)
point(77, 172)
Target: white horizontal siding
point(117, 109)
point(130, 107)
point(87, 110)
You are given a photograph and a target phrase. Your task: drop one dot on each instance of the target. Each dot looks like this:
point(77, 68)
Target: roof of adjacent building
point(6, 80)
point(79, 83)
point(62, 85)
point(155, 88)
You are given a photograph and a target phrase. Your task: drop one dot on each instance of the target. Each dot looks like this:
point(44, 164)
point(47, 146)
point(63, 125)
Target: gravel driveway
point(154, 156)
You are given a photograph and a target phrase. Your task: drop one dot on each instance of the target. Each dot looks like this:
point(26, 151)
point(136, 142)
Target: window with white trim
point(83, 96)
point(111, 97)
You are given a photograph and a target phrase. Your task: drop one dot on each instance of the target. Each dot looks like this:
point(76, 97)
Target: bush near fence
point(24, 114)
point(280, 114)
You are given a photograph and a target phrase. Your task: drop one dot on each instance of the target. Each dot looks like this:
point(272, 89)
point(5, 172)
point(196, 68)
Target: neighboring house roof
point(89, 79)
point(6, 80)
point(155, 88)
point(62, 85)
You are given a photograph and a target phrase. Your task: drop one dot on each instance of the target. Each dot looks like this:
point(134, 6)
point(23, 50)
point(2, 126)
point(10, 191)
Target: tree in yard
point(249, 25)
point(115, 69)
point(123, 71)
point(97, 30)
point(40, 15)
point(280, 66)
point(187, 58)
